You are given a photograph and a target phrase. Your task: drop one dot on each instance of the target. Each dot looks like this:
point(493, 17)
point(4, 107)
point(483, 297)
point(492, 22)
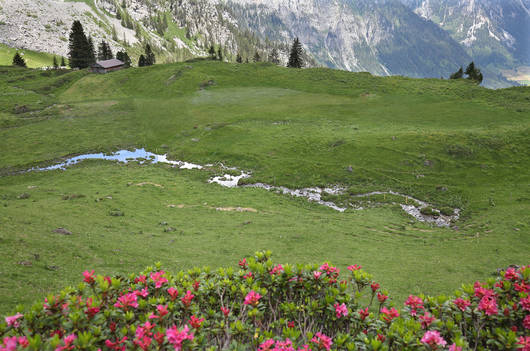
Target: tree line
point(473, 73)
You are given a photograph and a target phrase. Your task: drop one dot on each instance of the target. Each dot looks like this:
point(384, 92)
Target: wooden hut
point(107, 66)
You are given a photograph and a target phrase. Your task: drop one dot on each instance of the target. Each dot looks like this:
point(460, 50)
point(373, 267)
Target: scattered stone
point(32, 187)
point(23, 196)
point(20, 109)
point(36, 256)
point(418, 176)
point(52, 267)
point(25, 263)
point(62, 231)
point(116, 213)
point(73, 196)
point(247, 223)
point(195, 140)
point(169, 229)
point(393, 138)
point(350, 169)
point(150, 183)
point(441, 188)
point(427, 163)
point(162, 223)
point(237, 209)
point(516, 229)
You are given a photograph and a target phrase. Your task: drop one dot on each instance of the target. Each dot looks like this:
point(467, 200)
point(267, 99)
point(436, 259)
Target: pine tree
point(257, 57)
point(274, 57)
point(124, 57)
point(458, 74)
point(295, 58)
point(141, 61)
point(212, 52)
point(149, 56)
point(55, 63)
point(474, 74)
point(239, 59)
point(91, 51)
point(63, 64)
point(18, 60)
point(104, 51)
point(78, 47)
point(219, 54)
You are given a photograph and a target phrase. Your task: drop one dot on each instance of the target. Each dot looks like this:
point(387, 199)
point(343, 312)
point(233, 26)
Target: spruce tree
point(257, 57)
point(219, 54)
point(239, 59)
point(18, 60)
point(474, 74)
point(149, 56)
point(104, 51)
point(141, 61)
point(55, 63)
point(274, 57)
point(124, 57)
point(78, 47)
point(458, 74)
point(295, 58)
point(212, 52)
point(91, 56)
point(63, 64)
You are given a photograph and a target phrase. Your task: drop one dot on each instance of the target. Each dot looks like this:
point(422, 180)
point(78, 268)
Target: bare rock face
point(62, 231)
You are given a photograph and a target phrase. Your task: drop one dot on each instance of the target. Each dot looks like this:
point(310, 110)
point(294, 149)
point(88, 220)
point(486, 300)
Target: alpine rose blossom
point(88, 277)
point(488, 304)
point(433, 339)
point(323, 341)
point(461, 304)
point(455, 348)
point(13, 321)
point(252, 298)
point(341, 310)
point(128, 300)
point(177, 337)
point(388, 315)
point(524, 341)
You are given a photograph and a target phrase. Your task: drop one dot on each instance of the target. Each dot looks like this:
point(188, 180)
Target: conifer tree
point(474, 74)
point(149, 56)
point(239, 59)
point(257, 57)
point(141, 61)
point(295, 58)
point(219, 54)
point(91, 56)
point(274, 57)
point(78, 47)
point(55, 63)
point(458, 74)
point(124, 57)
point(104, 51)
point(212, 52)
point(18, 60)
point(63, 64)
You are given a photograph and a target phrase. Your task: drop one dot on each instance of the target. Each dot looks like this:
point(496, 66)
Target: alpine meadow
point(262, 202)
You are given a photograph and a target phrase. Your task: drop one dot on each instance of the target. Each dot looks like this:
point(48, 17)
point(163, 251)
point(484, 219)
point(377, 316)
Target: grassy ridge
point(34, 59)
point(446, 142)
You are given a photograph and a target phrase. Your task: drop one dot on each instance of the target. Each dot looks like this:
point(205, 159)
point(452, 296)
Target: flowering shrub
point(263, 306)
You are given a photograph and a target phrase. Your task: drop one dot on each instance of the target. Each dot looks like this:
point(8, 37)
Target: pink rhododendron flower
point(341, 310)
point(317, 274)
point(10, 344)
point(330, 270)
point(510, 274)
point(144, 330)
point(415, 303)
point(118, 345)
point(68, 343)
point(141, 279)
point(173, 292)
point(248, 275)
point(524, 341)
point(225, 311)
point(177, 337)
point(381, 337)
point(363, 313)
point(143, 293)
point(144, 342)
point(526, 321)
point(488, 304)
point(252, 298)
point(243, 263)
point(355, 267)
point(461, 304)
point(455, 348)
point(196, 322)
point(13, 321)
point(374, 286)
point(426, 320)
point(522, 287)
point(196, 285)
point(186, 299)
point(388, 315)
point(480, 291)
point(277, 269)
point(381, 297)
point(127, 300)
point(23, 341)
point(433, 339)
point(159, 279)
point(290, 324)
point(88, 277)
point(266, 345)
point(304, 348)
point(323, 341)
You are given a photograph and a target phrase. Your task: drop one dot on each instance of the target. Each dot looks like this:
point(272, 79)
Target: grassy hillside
point(33, 59)
point(449, 143)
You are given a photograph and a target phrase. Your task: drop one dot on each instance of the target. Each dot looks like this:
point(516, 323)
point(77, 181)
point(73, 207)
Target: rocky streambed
point(232, 179)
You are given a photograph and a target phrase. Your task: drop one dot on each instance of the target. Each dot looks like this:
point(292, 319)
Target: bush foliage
point(268, 306)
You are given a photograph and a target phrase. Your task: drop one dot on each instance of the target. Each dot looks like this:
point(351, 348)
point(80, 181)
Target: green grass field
point(449, 143)
point(34, 59)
